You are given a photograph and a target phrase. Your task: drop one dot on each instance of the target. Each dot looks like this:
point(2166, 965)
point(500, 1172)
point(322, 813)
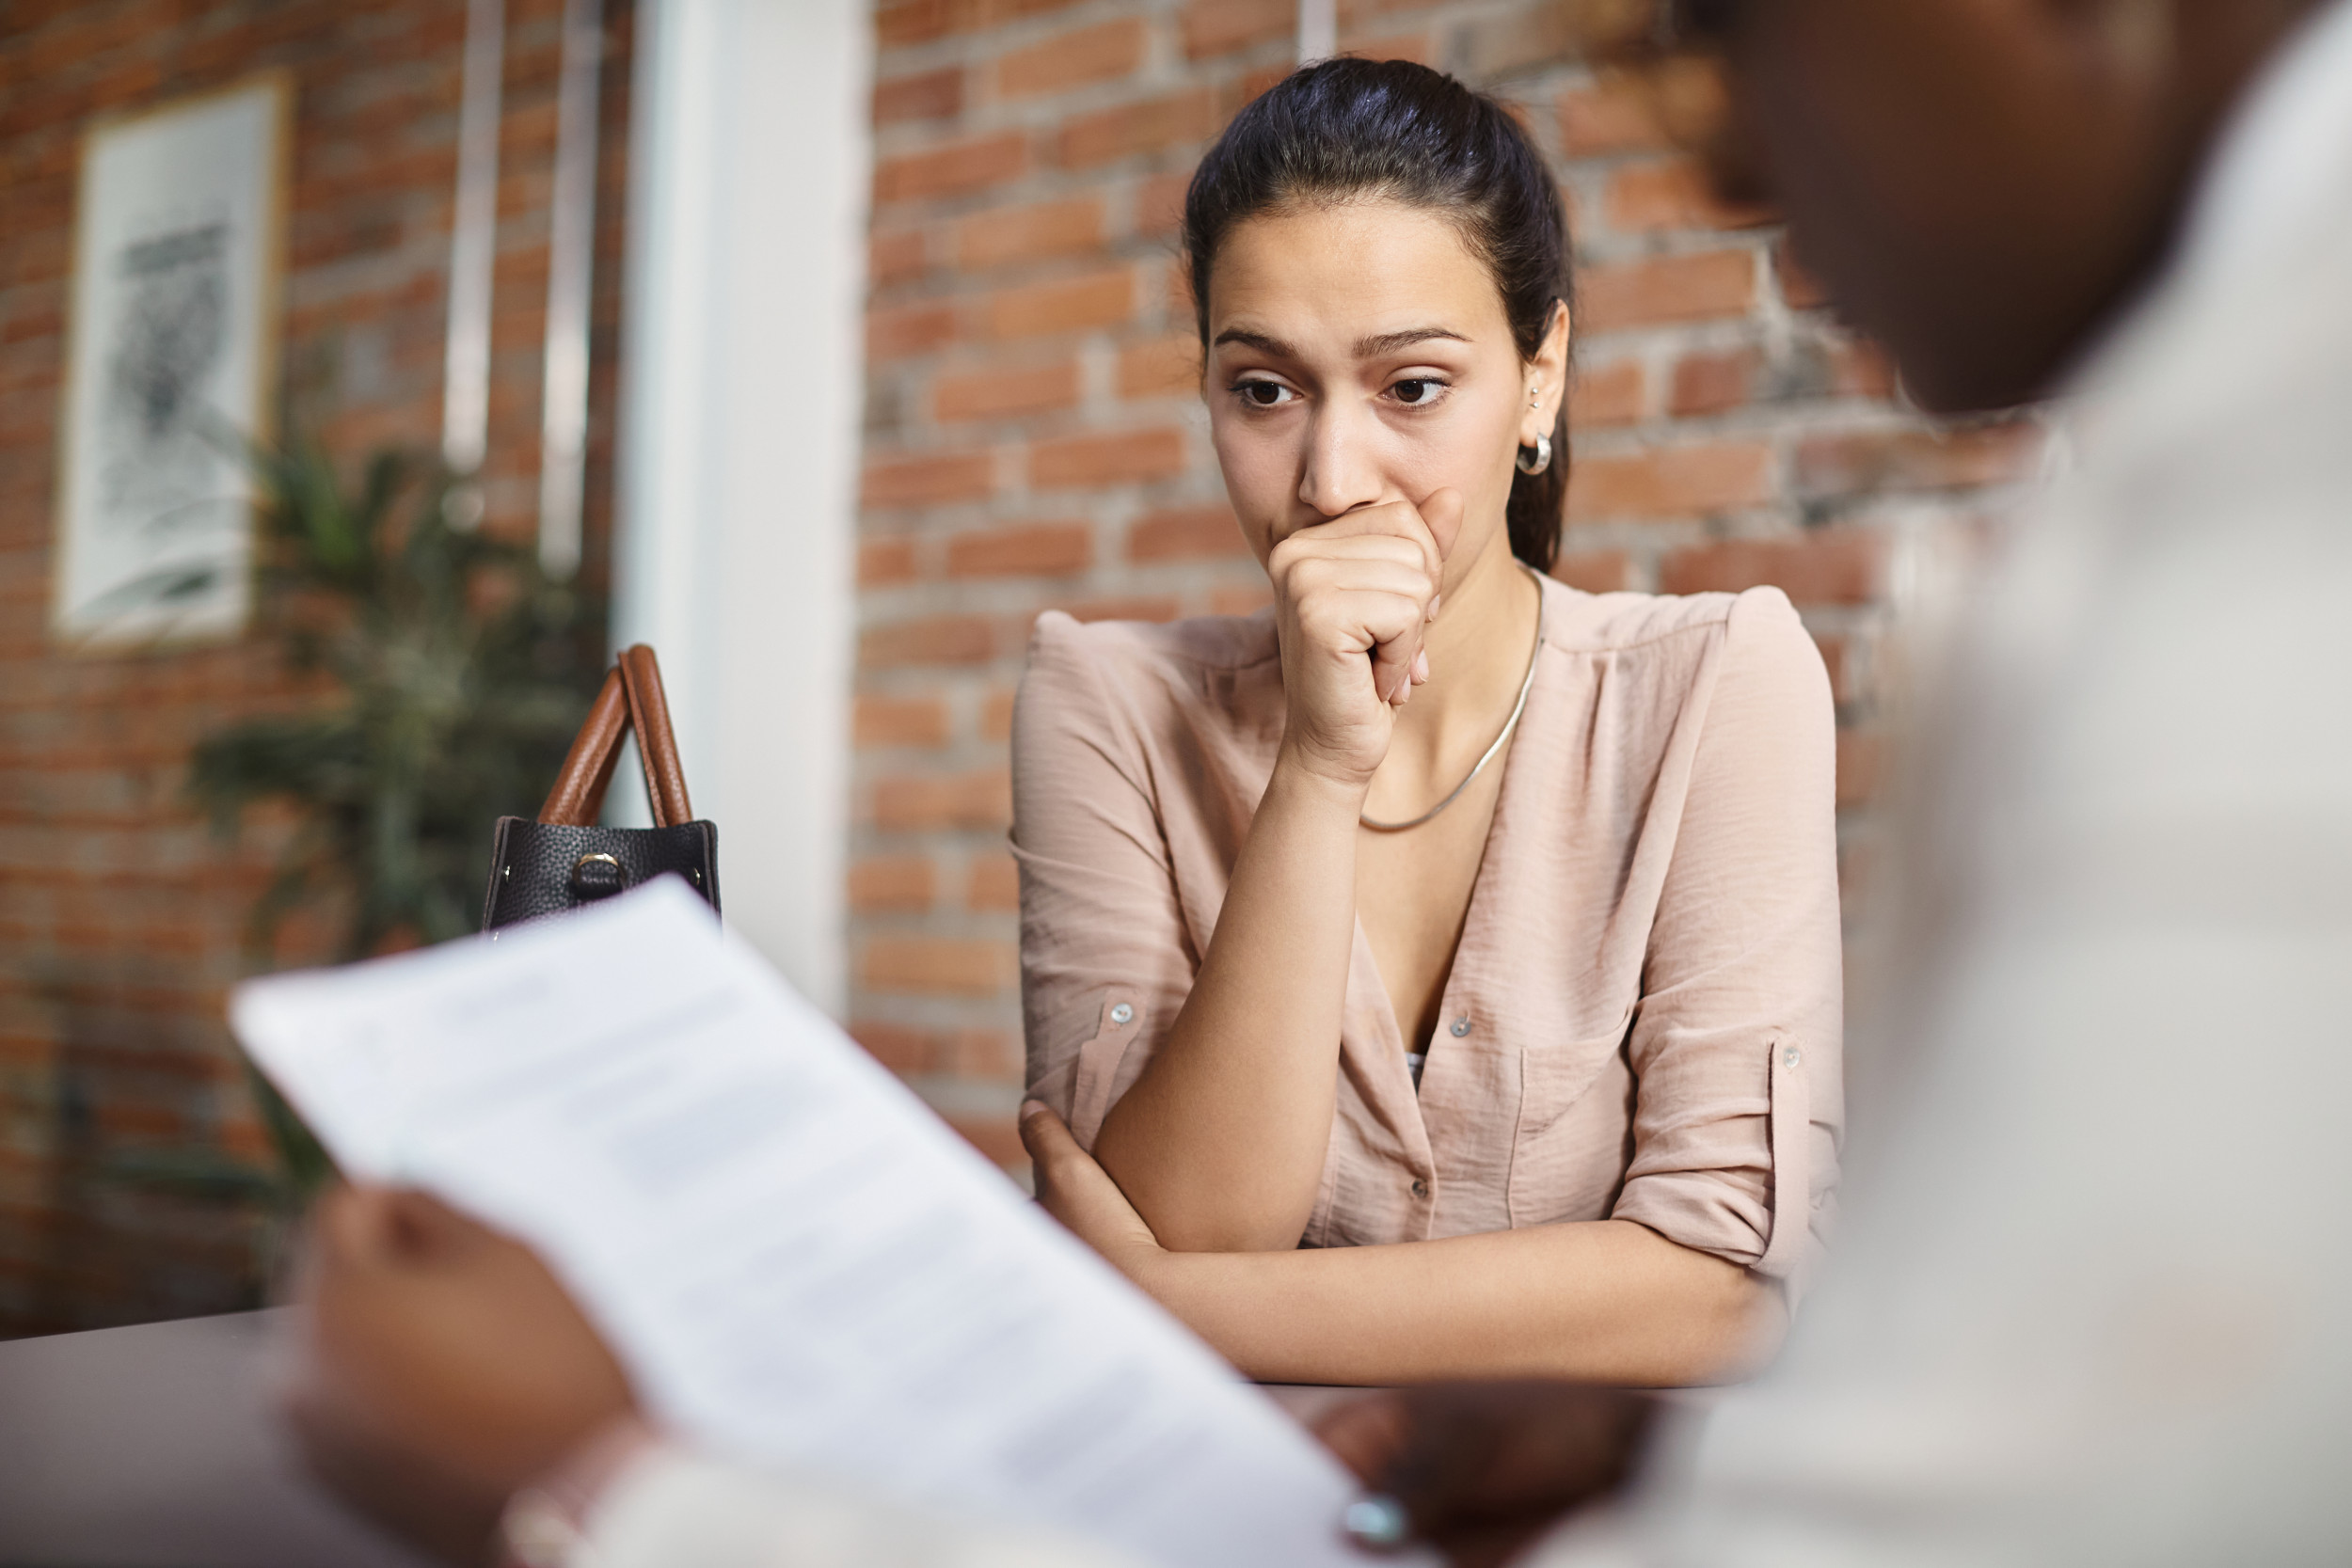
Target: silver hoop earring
point(1536, 459)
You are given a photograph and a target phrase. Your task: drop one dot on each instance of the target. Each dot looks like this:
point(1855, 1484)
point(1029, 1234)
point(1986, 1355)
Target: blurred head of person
point(1982, 183)
point(1379, 267)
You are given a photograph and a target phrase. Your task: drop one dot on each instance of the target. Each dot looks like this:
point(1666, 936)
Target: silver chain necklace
point(1526, 684)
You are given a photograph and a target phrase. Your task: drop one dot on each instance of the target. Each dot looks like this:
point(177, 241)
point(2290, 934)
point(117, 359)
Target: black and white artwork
point(175, 286)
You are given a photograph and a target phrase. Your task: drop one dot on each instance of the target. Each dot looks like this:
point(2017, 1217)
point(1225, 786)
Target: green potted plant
point(450, 675)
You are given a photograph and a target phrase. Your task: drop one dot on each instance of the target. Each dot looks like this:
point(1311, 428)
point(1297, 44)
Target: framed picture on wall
point(178, 236)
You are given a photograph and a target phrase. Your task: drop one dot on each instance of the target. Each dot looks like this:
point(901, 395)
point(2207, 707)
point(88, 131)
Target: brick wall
point(1034, 438)
point(122, 918)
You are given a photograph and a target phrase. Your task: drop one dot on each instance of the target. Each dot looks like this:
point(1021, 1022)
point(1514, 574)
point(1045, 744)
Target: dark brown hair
point(1400, 132)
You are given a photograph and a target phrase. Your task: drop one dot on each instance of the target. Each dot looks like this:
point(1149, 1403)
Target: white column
point(739, 440)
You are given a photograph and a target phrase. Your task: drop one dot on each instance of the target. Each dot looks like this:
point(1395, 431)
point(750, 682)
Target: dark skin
point(1982, 183)
point(1985, 183)
point(444, 1368)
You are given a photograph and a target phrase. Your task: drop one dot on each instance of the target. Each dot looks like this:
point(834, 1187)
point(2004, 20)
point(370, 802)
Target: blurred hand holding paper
point(797, 1261)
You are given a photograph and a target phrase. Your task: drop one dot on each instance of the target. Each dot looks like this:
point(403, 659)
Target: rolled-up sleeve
point(1106, 960)
point(1736, 1042)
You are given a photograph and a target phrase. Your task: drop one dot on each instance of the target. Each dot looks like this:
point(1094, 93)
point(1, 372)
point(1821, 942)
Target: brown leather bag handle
point(630, 698)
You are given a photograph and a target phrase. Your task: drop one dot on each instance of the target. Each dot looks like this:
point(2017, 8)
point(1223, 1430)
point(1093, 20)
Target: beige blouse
point(1643, 1017)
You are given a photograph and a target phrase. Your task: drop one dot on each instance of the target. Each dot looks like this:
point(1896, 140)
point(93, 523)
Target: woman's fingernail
point(1435, 600)
point(1421, 665)
point(1376, 1522)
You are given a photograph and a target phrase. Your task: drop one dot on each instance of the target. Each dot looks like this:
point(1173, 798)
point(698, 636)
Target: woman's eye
point(1265, 394)
point(1417, 392)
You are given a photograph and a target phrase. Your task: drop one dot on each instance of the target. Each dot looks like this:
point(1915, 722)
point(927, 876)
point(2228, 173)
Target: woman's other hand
point(1076, 1190)
point(1352, 597)
point(1481, 1470)
point(440, 1368)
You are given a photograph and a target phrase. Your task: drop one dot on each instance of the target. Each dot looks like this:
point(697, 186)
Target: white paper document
point(797, 1261)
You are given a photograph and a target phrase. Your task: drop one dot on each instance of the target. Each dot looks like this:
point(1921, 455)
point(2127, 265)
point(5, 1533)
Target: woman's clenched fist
point(1351, 599)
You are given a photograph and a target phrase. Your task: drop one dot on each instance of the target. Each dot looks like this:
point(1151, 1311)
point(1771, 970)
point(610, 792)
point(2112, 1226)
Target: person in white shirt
point(2089, 1303)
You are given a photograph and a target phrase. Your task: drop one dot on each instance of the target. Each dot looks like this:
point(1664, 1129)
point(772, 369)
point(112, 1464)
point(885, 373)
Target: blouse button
point(1790, 1057)
point(1461, 1026)
point(1123, 1013)
point(1420, 1188)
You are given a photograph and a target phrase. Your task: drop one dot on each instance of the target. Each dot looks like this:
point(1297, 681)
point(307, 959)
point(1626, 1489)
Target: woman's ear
point(1547, 379)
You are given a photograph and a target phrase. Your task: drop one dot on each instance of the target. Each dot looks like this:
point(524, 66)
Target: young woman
point(1441, 968)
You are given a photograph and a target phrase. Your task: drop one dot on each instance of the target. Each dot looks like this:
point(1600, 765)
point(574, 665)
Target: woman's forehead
point(1345, 273)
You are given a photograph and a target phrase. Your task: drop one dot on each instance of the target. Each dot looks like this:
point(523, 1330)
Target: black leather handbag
point(564, 859)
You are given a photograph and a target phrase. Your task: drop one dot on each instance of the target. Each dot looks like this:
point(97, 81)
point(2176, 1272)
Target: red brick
point(1713, 383)
point(1066, 304)
point(878, 721)
point(978, 1054)
point(1160, 204)
point(1836, 657)
point(1666, 289)
point(957, 170)
point(1239, 598)
point(1799, 289)
point(1161, 367)
point(910, 22)
point(917, 22)
point(1127, 457)
point(928, 95)
point(994, 884)
point(1879, 462)
point(897, 258)
point(1152, 126)
point(938, 640)
point(929, 481)
point(996, 717)
point(1221, 26)
point(1600, 395)
point(1671, 482)
point(1098, 54)
point(1861, 370)
point(1249, 86)
point(935, 965)
point(982, 799)
point(1005, 394)
point(1861, 758)
point(892, 883)
point(1179, 281)
point(1185, 534)
point(909, 329)
point(1397, 46)
point(882, 561)
point(1038, 549)
point(1619, 114)
point(1044, 229)
point(1675, 194)
point(1522, 39)
point(1593, 570)
point(901, 1050)
point(1828, 566)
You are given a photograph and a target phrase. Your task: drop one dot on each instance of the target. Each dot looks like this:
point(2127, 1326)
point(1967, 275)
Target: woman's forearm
point(1607, 1301)
point(1219, 1144)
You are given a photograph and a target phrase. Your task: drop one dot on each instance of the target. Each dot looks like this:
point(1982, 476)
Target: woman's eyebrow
point(1388, 343)
point(1366, 348)
point(1273, 347)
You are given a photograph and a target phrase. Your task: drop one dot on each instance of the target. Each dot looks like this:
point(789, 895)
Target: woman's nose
point(1337, 472)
